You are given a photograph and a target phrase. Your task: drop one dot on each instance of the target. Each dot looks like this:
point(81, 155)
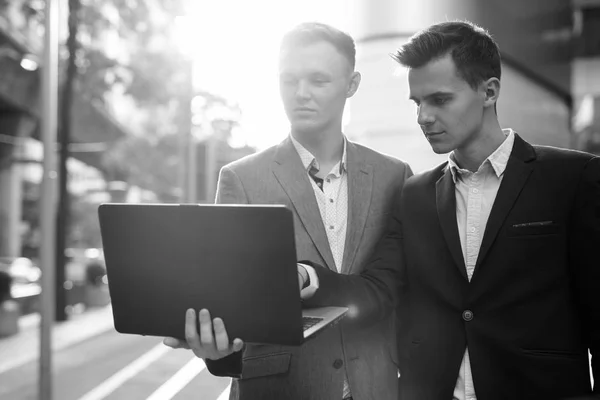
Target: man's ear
point(354, 83)
point(491, 92)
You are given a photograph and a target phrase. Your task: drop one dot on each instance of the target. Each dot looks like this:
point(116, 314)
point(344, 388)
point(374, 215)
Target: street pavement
point(91, 361)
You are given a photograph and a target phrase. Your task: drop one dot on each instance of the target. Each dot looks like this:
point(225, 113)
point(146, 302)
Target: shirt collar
point(498, 160)
point(308, 160)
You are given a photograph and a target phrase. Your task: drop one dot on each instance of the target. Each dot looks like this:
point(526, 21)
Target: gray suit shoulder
point(377, 158)
point(253, 161)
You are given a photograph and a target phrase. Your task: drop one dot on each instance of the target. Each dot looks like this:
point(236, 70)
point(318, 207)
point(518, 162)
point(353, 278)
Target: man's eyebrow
point(434, 94)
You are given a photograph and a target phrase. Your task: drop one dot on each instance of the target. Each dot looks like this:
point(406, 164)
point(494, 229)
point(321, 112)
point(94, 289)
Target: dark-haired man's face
point(314, 82)
point(449, 110)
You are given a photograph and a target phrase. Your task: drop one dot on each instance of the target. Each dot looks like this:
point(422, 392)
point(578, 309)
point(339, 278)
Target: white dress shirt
point(475, 194)
point(332, 198)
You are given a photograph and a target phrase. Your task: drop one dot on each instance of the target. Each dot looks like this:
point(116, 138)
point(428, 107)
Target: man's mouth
point(304, 110)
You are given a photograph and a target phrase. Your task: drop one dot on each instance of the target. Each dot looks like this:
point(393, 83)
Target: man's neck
point(327, 148)
point(484, 144)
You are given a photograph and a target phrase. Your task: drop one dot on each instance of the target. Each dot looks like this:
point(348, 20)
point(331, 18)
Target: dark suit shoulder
point(427, 177)
point(557, 154)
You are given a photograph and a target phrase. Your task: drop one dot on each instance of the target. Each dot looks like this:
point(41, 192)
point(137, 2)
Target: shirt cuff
point(310, 290)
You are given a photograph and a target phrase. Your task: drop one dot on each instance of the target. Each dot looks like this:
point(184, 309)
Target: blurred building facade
point(586, 75)
point(19, 106)
point(21, 35)
point(550, 85)
point(551, 63)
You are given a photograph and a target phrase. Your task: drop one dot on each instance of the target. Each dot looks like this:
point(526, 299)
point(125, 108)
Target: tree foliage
point(126, 56)
point(127, 62)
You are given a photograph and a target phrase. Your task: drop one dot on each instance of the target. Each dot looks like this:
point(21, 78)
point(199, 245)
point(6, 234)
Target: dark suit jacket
point(316, 370)
point(534, 298)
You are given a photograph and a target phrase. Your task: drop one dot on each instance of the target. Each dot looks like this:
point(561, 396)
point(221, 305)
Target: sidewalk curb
point(24, 347)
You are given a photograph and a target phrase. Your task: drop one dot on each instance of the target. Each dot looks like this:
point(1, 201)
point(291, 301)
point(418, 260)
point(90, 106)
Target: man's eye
point(440, 100)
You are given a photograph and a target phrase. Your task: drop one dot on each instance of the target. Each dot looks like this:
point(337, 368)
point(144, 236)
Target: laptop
point(237, 261)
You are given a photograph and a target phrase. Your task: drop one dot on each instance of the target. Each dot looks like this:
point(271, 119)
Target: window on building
point(588, 43)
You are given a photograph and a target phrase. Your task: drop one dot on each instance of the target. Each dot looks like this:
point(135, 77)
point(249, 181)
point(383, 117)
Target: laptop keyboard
point(308, 322)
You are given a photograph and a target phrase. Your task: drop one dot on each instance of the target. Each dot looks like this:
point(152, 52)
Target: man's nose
point(302, 90)
point(424, 117)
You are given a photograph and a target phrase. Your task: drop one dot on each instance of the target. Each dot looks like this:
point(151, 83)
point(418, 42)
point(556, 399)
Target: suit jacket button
point(467, 315)
point(337, 364)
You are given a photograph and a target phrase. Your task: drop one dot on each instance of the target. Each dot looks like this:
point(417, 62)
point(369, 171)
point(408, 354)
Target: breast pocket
point(534, 229)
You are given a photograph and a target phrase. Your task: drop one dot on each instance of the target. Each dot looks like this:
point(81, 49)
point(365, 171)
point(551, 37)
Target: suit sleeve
point(230, 190)
point(584, 258)
point(373, 294)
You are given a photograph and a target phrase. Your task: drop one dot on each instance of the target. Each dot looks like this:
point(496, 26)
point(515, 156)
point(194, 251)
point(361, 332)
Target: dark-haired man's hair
point(472, 48)
point(312, 32)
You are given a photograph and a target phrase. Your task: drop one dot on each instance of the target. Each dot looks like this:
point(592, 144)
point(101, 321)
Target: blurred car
point(84, 273)
point(25, 286)
point(21, 269)
point(77, 261)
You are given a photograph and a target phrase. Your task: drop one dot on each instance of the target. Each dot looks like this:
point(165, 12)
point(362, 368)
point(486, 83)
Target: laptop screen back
point(237, 261)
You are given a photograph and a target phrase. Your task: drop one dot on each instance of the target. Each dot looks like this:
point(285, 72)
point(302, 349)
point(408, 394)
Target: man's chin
point(305, 127)
point(437, 149)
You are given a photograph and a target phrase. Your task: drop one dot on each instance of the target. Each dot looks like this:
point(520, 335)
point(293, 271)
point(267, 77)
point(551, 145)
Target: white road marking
point(225, 394)
point(178, 381)
point(128, 372)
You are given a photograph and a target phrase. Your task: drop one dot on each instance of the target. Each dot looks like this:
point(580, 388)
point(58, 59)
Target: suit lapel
point(515, 175)
point(291, 175)
point(360, 184)
point(446, 209)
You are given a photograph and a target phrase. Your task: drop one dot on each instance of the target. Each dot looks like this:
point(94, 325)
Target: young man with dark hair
point(341, 194)
point(492, 255)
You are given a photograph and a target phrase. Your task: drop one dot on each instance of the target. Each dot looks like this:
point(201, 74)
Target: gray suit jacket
point(368, 354)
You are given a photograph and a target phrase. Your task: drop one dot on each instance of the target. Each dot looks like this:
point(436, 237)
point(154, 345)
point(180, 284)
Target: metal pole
point(192, 173)
point(48, 201)
point(211, 168)
point(181, 168)
point(192, 169)
point(181, 24)
point(183, 144)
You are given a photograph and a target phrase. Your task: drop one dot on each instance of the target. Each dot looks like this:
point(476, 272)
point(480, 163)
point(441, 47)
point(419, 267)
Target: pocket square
point(534, 229)
point(539, 223)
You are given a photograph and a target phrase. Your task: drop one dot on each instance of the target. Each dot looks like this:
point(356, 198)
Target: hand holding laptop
point(212, 343)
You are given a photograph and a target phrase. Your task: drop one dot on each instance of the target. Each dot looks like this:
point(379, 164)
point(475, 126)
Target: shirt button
point(475, 191)
point(328, 180)
point(331, 200)
point(472, 230)
point(337, 364)
point(331, 227)
point(467, 315)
